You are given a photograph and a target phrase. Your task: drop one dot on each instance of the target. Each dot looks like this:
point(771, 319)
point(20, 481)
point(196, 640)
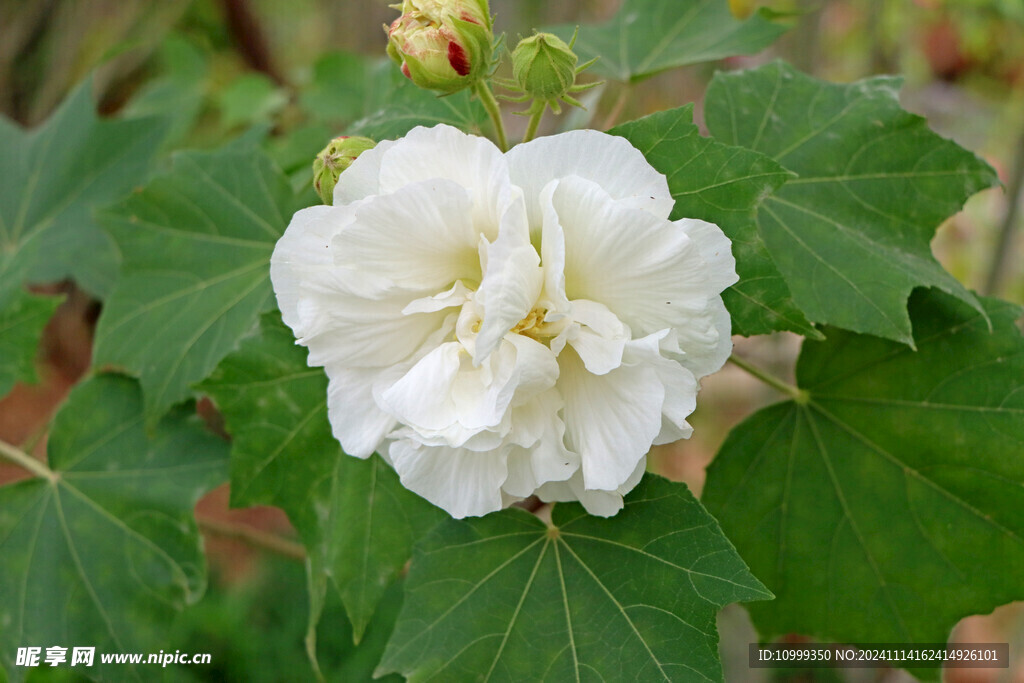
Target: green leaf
point(634, 597)
point(409, 106)
point(196, 246)
point(867, 509)
point(22, 320)
point(345, 87)
point(104, 554)
point(54, 178)
point(250, 99)
point(179, 92)
point(723, 185)
point(357, 520)
point(362, 659)
point(371, 97)
point(851, 234)
point(294, 152)
point(646, 37)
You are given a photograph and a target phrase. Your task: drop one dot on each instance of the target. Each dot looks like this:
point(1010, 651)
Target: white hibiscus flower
point(500, 325)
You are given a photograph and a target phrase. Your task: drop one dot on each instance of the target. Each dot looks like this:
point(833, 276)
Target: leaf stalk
point(799, 395)
point(1000, 258)
point(27, 462)
point(253, 537)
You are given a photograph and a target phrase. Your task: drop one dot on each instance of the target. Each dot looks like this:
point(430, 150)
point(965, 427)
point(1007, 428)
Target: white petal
point(716, 250)
point(422, 398)
point(352, 331)
point(456, 296)
point(355, 419)
point(559, 491)
point(611, 419)
point(345, 316)
point(646, 270)
point(600, 355)
point(552, 255)
point(541, 455)
point(704, 339)
point(536, 367)
point(362, 178)
point(471, 161)
point(443, 398)
point(457, 436)
point(600, 503)
point(354, 398)
point(598, 336)
point(304, 248)
point(607, 160)
point(510, 286)
point(483, 393)
point(421, 238)
point(680, 386)
point(462, 482)
point(714, 361)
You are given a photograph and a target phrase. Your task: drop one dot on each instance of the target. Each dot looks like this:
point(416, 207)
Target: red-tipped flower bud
point(442, 45)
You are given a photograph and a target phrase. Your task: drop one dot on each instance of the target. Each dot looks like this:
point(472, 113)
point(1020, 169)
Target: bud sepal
point(544, 69)
point(332, 161)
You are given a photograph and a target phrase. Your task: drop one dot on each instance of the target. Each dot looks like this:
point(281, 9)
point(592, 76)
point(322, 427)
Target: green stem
point(531, 129)
point(26, 461)
point(1001, 254)
point(796, 393)
point(483, 91)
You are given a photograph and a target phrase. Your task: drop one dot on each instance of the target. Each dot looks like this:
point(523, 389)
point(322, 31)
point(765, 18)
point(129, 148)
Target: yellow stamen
point(532, 325)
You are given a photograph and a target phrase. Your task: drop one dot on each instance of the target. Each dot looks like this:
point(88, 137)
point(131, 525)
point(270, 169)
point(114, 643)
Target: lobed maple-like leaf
point(646, 37)
point(851, 234)
point(195, 274)
point(102, 554)
point(723, 185)
point(887, 506)
point(634, 597)
point(357, 521)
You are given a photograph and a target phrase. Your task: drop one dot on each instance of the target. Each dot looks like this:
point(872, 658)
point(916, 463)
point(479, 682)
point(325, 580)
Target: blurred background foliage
point(274, 69)
point(223, 66)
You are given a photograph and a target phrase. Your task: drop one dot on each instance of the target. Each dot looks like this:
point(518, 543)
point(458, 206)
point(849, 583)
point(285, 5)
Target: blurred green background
point(225, 67)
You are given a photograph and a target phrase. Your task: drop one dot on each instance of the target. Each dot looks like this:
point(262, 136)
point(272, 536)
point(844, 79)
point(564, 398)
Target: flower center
point(533, 326)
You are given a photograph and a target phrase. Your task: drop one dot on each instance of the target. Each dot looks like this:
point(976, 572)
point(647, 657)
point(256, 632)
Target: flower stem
point(794, 392)
point(26, 461)
point(531, 130)
point(253, 537)
point(1001, 255)
point(483, 91)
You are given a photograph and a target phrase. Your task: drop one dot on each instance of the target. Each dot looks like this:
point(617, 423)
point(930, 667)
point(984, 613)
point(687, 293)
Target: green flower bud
point(442, 45)
point(333, 160)
point(544, 66)
point(544, 70)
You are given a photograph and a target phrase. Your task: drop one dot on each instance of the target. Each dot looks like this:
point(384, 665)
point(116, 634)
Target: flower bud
point(333, 160)
point(544, 66)
point(442, 45)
